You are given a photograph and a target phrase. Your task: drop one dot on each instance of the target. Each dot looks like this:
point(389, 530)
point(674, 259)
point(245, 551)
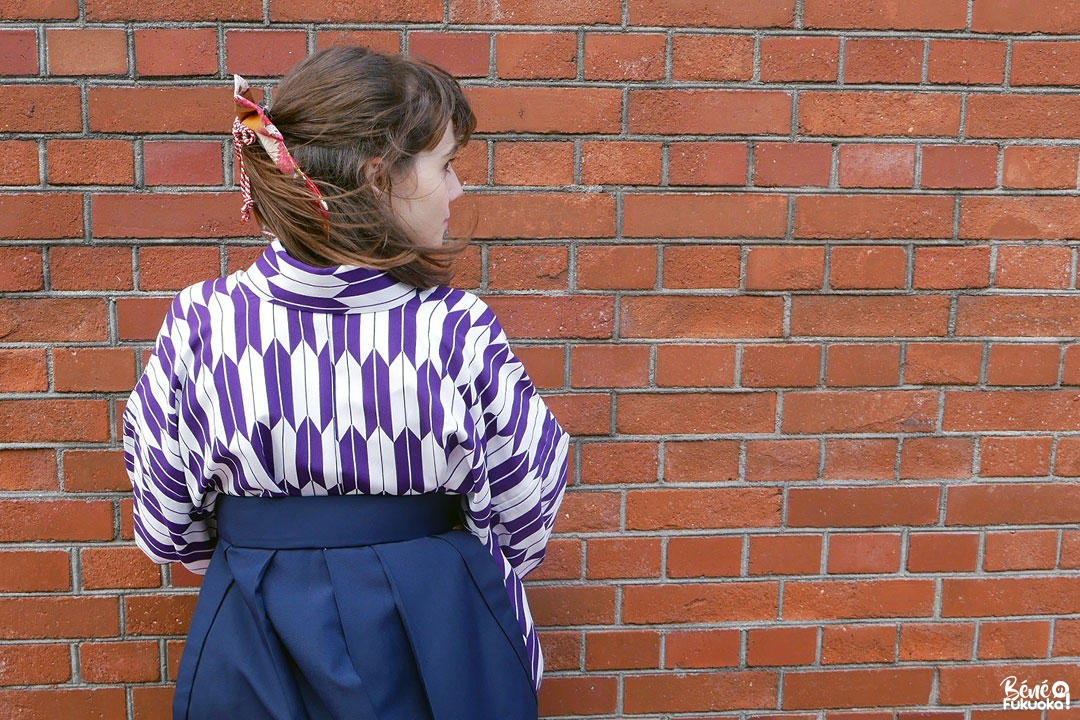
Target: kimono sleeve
point(168, 526)
point(525, 450)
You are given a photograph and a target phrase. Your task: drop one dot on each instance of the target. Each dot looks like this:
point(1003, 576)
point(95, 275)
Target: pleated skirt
point(355, 607)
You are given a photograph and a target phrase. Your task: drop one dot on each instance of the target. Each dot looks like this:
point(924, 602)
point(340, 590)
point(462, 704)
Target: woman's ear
point(373, 174)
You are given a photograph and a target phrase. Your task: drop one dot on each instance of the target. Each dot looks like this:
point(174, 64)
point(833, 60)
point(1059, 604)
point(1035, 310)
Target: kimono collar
point(282, 279)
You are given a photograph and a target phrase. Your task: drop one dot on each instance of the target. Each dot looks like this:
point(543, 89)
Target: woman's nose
point(455, 185)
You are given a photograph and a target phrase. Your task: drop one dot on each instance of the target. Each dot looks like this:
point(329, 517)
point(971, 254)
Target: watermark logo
point(1040, 696)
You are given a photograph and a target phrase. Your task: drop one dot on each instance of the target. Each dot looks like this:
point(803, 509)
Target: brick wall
point(800, 276)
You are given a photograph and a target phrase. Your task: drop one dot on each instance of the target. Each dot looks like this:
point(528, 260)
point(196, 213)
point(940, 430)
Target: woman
point(310, 432)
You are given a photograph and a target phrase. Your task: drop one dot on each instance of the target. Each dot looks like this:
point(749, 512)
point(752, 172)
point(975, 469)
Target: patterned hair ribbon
point(251, 124)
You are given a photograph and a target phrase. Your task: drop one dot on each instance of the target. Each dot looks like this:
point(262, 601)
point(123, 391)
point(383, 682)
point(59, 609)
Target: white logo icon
point(1041, 696)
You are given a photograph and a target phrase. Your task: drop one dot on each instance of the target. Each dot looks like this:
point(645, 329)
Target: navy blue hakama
point(352, 607)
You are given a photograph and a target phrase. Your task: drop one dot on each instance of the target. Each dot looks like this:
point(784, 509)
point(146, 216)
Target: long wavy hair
point(338, 109)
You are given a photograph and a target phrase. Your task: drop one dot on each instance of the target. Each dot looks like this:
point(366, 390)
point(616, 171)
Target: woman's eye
point(449, 162)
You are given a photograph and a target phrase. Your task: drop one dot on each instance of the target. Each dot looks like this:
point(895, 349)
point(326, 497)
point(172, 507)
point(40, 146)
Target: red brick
point(562, 649)
point(54, 420)
point(943, 552)
point(384, 41)
point(182, 163)
point(701, 266)
point(862, 365)
point(953, 166)
point(1024, 115)
point(546, 109)
point(883, 60)
point(781, 365)
point(160, 52)
point(87, 52)
point(583, 695)
point(684, 649)
point(619, 462)
point(967, 62)
point(624, 56)
point(340, 11)
point(186, 10)
point(1012, 17)
point(1039, 267)
point(792, 164)
point(877, 165)
point(19, 161)
point(118, 567)
point(534, 163)
point(711, 58)
point(868, 267)
point(589, 511)
point(117, 662)
point(864, 553)
point(860, 459)
point(531, 56)
point(622, 650)
point(727, 13)
point(523, 12)
point(1040, 167)
point(1045, 63)
point(1020, 550)
point(1067, 463)
point(23, 370)
point(546, 317)
point(781, 646)
point(701, 461)
point(630, 557)
point(891, 687)
point(610, 366)
point(853, 114)
point(174, 267)
point(967, 684)
point(20, 270)
point(40, 108)
point(708, 163)
point(1016, 316)
point(936, 641)
point(264, 52)
point(58, 617)
point(545, 365)
point(40, 10)
point(462, 54)
point(153, 109)
point(1015, 456)
point(1000, 640)
point(835, 599)
point(70, 704)
point(869, 316)
point(701, 215)
point(952, 267)
point(886, 15)
point(93, 369)
point(620, 163)
point(695, 365)
point(701, 317)
point(562, 561)
point(849, 644)
point(927, 458)
point(1005, 504)
point(710, 112)
point(943, 363)
point(863, 506)
point(787, 554)
point(24, 571)
point(540, 215)
point(785, 267)
point(41, 216)
point(19, 52)
point(583, 414)
point(999, 597)
point(1023, 364)
point(204, 215)
point(693, 509)
point(696, 413)
point(782, 460)
point(95, 471)
point(616, 267)
point(35, 664)
point(52, 319)
point(794, 59)
point(690, 557)
point(873, 216)
point(112, 268)
point(572, 605)
point(700, 603)
point(28, 470)
point(158, 614)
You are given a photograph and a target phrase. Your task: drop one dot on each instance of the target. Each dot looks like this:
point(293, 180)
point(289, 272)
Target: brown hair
point(338, 109)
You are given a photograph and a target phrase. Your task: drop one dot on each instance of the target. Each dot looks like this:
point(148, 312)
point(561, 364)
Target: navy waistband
point(333, 521)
